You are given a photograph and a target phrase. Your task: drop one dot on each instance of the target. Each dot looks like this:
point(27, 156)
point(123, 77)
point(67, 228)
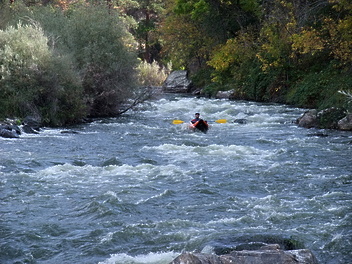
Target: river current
point(139, 189)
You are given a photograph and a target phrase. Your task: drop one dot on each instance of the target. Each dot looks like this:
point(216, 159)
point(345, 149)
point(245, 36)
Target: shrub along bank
point(65, 65)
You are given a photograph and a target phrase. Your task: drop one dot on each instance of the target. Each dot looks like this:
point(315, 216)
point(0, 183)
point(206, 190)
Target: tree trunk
point(146, 37)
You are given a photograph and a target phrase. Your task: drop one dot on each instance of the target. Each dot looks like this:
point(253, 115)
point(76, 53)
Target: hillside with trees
point(65, 60)
point(297, 52)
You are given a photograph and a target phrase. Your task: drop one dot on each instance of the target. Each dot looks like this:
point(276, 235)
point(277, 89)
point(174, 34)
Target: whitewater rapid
point(139, 189)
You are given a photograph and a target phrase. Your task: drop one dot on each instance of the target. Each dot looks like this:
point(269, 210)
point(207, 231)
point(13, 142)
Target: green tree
point(192, 29)
point(340, 31)
point(184, 42)
point(220, 19)
point(146, 16)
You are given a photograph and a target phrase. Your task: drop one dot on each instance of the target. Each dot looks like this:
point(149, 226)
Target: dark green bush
point(319, 89)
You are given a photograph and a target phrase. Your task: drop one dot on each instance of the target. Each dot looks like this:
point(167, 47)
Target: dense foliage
point(65, 65)
point(296, 52)
point(64, 60)
point(34, 80)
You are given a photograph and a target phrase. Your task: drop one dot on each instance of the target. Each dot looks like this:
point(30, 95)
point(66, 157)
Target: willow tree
point(34, 80)
point(96, 46)
point(103, 52)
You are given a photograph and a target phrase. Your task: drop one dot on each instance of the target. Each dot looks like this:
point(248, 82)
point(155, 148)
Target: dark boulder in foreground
point(269, 254)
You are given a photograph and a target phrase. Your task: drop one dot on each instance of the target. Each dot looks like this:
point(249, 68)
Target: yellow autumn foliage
point(234, 51)
point(307, 41)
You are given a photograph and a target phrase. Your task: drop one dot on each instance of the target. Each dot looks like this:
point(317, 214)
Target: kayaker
point(196, 119)
point(199, 123)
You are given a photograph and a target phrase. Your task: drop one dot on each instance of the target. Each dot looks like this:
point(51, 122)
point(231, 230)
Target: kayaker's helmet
point(196, 114)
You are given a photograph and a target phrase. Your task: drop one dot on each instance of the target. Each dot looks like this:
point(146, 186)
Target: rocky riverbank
point(331, 118)
point(10, 128)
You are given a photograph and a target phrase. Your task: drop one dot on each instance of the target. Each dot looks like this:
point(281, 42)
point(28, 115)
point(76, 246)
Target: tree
point(220, 19)
point(192, 29)
point(184, 42)
point(147, 15)
point(340, 32)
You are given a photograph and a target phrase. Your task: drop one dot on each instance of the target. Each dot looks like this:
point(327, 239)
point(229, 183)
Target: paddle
point(176, 122)
point(220, 121)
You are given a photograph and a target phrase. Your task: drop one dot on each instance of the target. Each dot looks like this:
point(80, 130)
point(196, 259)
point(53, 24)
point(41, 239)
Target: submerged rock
point(240, 121)
point(268, 254)
point(69, 132)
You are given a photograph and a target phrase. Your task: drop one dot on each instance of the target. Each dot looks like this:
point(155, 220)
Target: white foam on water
point(159, 195)
point(150, 258)
point(145, 170)
point(232, 220)
point(184, 108)
point(185, 153)
point(137, 125)
point(107, 238)
point(112, 194)
point(45, 133)
point(138, 179)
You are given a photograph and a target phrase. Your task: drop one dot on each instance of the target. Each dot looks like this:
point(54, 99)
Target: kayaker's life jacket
point(196, 122)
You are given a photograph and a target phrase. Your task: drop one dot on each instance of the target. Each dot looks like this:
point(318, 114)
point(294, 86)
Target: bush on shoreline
point(35, 81)
point(64, 65)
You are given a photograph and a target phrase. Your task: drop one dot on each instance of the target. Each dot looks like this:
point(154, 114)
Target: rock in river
point(177, 82)
point(268, 254)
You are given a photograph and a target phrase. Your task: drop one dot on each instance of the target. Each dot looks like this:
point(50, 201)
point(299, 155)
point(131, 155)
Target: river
point(139, 189)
